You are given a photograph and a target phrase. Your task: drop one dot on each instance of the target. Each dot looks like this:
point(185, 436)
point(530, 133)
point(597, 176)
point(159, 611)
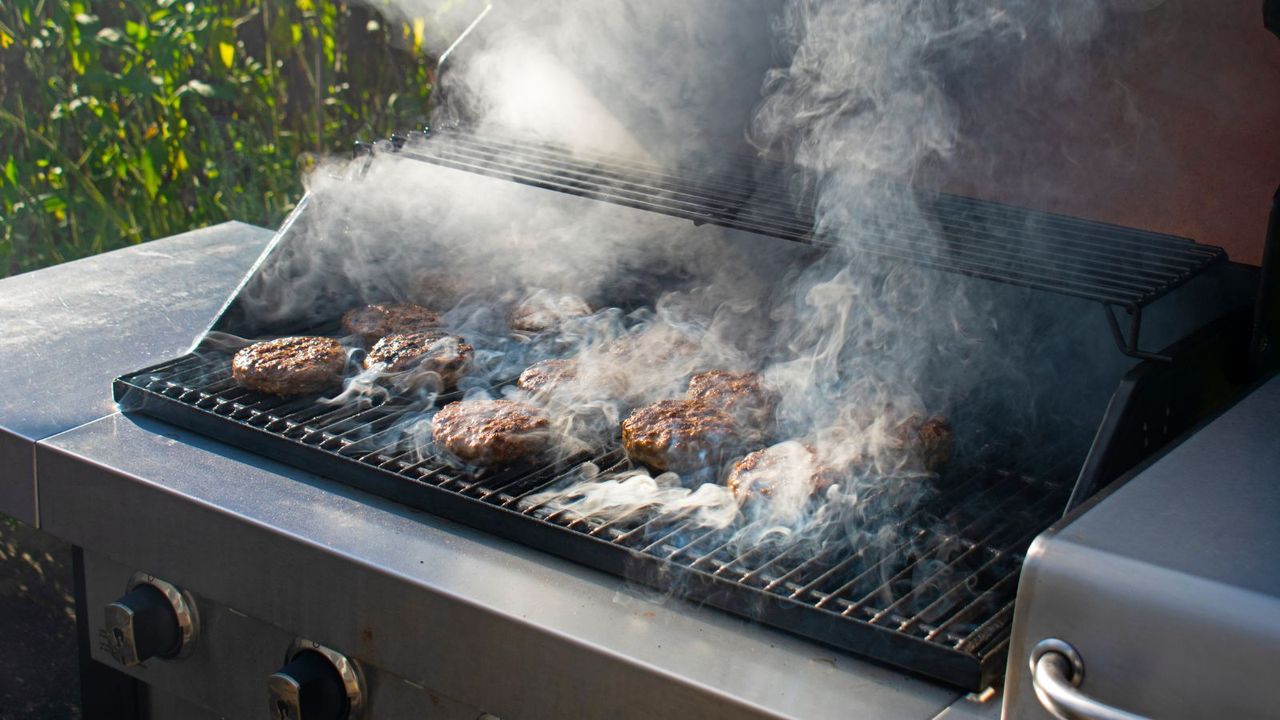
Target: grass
point(126, 121)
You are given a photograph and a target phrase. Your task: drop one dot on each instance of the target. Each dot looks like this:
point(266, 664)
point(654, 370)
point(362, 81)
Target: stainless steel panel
point(1169, 587)
point(67, 331)
point(492, 623)
point(18, 477)
point(226, 675)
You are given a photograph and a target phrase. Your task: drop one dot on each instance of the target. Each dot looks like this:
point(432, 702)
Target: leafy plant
point(127, 120)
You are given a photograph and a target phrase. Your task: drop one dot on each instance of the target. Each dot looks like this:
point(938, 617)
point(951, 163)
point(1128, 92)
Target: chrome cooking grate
point(938, 600)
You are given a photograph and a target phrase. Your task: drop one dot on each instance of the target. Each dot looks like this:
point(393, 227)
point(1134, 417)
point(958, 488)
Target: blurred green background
point(127, 121)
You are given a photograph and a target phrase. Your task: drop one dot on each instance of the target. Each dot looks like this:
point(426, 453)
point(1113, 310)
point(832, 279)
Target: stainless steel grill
point(938, 600)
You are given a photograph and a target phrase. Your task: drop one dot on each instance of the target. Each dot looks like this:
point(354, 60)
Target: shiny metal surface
point(68, 330)
point(1057, 671)
point(431, 602)
point(224, 677)
point(1169, 584)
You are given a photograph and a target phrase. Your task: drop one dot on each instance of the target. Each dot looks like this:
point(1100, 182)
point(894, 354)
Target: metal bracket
point(1128, 344)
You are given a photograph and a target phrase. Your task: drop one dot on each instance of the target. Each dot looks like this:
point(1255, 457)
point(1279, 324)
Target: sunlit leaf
point(150, 178)
point(419, 28)
point(228, 53)
point(11, 170)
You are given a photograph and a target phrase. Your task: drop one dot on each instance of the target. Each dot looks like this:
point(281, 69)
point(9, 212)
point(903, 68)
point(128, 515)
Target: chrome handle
point(1056, 672)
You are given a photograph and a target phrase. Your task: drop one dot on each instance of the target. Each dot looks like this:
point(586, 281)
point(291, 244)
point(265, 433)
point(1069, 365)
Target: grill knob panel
point(153, 619)
point(316, 683)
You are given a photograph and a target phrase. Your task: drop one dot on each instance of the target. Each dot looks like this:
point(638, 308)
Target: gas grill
point(232, 549)
point(938, 602)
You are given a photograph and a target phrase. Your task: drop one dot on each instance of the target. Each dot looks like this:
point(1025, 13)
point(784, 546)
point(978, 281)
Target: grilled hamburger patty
point(545, 310)
point(491, 432)
point(678, 435)
point(789, 468)
point(739, 394)
point(374, 322)
point(546, 375)
point(448, 356)
point(290, 366)
point(926, 441)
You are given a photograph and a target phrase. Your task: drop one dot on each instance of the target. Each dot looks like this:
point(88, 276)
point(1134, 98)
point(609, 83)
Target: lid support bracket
point(1128, 342)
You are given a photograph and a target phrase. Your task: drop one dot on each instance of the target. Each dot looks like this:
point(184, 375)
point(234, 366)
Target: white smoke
point(868, 97)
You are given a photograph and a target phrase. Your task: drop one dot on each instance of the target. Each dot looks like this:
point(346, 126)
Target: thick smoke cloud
point(864, 100)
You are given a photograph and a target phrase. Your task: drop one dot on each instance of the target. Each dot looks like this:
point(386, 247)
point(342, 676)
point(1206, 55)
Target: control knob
point(152, 619)
point(316, 683)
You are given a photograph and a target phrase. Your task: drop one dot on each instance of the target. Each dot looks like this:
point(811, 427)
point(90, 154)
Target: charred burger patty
point(547, 375)
point(928, 442)
point(740, 394)
point(545, 311)
point(290, 366)
point(491, 432)
point(678, 435)
point(374, 322)
point(789, 468)
point(448, 356)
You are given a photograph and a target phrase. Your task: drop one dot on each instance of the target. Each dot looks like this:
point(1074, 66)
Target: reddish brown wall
point(1187, 137)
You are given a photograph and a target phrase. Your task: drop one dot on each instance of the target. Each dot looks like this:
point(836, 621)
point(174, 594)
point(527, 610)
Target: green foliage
point(127, 120)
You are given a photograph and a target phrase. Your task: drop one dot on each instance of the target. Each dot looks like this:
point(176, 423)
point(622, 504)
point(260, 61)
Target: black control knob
point(153, 620)
point(316, 683)
point(308, 688)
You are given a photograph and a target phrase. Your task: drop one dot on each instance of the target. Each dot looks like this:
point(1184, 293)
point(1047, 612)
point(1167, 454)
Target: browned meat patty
point(656, 345)
point(546, 375)
point(791, 469)
point(448, 356)
point(679, 435)
point(290, 366)
point(927, 442)
point(444, 288)
point(492, 432)
point(374, 322)
point(545, 310)
point(740, 394)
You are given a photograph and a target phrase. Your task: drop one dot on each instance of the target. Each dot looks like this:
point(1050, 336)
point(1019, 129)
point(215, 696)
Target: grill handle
point(1057, 671)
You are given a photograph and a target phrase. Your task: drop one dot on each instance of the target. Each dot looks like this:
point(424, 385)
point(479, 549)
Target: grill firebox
point(938, 602)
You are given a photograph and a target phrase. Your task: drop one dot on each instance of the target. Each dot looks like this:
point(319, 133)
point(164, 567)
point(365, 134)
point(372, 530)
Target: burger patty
point(290, 366)
point(679, 435)
point(491, 432)
point(927, 442)
point(545, 310)
point(788, 469)
point(448, 356)
point(740, 394)
point(546, 375)
point(655, 345)
point(374, 322)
